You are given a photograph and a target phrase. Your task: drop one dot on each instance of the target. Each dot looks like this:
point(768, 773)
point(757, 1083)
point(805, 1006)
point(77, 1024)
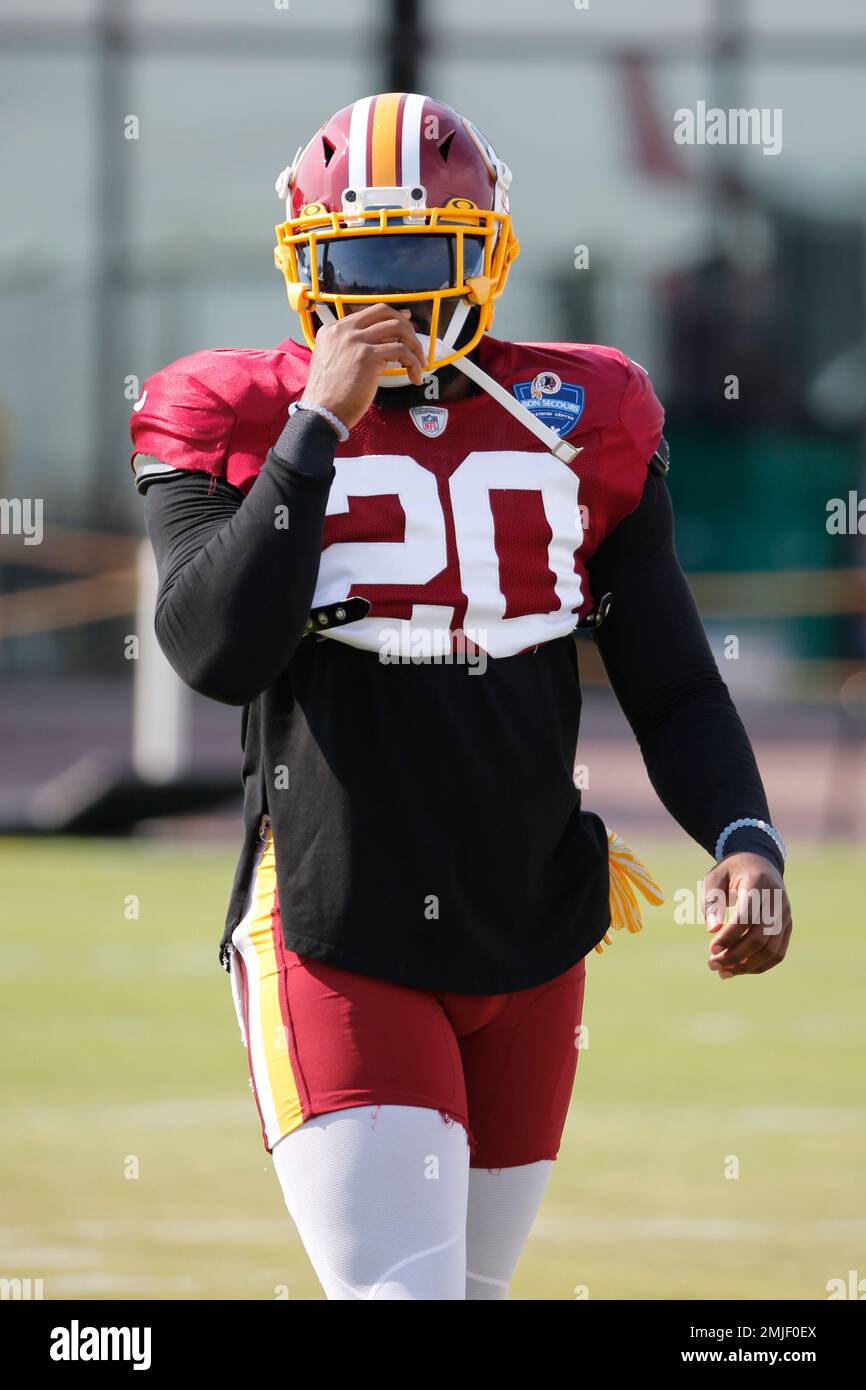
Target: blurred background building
point(141, 139)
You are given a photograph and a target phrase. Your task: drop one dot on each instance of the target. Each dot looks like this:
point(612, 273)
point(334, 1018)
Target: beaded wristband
point(333, 420)
point(758, 825)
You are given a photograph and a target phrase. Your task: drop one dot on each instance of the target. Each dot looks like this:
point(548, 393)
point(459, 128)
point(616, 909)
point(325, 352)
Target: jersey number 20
point(515, 525)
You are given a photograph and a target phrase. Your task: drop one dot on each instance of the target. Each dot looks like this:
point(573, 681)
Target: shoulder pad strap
point(660, 461)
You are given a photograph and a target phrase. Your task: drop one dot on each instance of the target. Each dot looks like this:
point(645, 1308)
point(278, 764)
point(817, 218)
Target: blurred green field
point(119, 1039)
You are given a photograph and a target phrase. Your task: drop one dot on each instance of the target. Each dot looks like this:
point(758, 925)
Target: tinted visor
point(383, 265)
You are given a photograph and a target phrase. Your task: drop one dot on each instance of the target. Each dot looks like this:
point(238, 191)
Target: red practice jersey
point(453, 516)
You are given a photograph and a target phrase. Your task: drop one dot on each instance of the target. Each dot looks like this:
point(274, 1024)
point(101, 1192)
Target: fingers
point(400, 352)
point(755, 938)
point(740, 918)
point(765, 911)
point(757, 948)
point(383, 326)
point(765, 954)
point(395, 330)
point(768, 959)
point(768, 955)
point(351, 351)
point(750, 941)
point(379, 317)
point(715, 898)
point(373, 313)
point(748, 930)
point(388, 328)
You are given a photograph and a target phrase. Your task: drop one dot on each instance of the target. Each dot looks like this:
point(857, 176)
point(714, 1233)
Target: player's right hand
point(349, 356)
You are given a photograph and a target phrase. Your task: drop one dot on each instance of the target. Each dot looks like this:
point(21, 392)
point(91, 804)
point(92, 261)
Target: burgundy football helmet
point(398, 199)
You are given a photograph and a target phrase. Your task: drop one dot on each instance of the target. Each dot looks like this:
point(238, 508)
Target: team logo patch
point(545, 384)
point(429, 419)
point(557, 403)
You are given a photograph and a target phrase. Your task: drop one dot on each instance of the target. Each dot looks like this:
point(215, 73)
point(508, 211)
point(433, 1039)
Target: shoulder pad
point(642, 416)
point(215, 412)
point(616, 392)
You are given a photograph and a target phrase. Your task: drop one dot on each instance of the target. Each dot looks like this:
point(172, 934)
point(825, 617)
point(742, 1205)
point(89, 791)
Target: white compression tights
point(387, 1207)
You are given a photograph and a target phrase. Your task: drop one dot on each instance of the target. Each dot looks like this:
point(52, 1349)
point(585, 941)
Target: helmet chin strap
point(560, 448)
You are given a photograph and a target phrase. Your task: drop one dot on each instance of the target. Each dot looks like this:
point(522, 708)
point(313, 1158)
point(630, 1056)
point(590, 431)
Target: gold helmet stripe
point(384, 142)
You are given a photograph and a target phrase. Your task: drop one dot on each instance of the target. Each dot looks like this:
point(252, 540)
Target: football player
point(380, 541)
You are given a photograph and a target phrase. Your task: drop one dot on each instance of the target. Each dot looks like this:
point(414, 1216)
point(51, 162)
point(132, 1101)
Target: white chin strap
point(560, 448)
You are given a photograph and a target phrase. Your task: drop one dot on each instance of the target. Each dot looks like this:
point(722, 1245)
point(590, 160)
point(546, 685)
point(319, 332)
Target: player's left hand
point(755, 938)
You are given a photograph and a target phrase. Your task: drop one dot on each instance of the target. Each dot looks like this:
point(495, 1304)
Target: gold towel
point(625, 870)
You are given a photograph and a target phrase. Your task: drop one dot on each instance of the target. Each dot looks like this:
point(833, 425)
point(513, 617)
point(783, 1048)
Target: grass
point(131, 1163)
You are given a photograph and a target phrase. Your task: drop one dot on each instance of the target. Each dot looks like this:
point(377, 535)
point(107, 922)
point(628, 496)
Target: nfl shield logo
point(429, 419)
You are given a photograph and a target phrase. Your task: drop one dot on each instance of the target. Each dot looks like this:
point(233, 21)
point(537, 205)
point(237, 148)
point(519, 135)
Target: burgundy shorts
point(321, 1038)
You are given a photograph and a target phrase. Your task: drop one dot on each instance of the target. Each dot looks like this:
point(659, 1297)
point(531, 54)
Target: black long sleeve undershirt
point(663, 673)
point(237, 574)
point(235, 590)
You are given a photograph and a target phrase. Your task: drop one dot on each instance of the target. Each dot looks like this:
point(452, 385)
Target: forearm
point(237, 574)
point(703, 769)
point(696, 750)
